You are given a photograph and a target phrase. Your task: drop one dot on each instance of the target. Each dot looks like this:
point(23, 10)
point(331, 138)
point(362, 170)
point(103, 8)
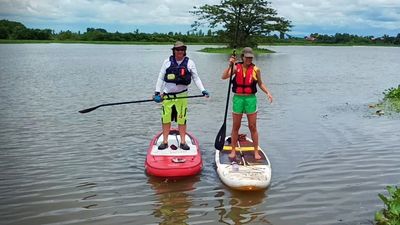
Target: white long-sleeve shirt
point(165, 87)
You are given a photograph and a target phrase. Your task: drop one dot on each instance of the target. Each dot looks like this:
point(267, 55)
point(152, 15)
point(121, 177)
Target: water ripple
point(330, 154)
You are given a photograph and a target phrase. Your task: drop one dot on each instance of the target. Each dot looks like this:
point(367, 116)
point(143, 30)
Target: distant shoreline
point(283, 43)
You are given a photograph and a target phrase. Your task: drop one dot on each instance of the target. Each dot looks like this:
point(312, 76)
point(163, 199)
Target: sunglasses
point(180, 49)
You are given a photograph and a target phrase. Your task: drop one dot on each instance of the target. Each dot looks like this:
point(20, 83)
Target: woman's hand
point(232, 60)
point(270, 98)
point(227, 72)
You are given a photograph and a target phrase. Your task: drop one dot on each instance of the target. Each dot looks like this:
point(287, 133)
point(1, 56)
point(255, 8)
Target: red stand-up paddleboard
point(173, 162)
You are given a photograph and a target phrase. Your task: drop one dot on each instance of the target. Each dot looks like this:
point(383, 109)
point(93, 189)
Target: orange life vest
point(244, 83)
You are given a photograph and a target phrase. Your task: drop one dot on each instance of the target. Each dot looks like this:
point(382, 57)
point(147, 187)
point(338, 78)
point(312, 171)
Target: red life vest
point(244, 84)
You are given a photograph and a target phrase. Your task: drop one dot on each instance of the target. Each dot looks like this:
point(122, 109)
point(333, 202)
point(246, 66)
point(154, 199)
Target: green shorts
point(246, 104)
point(174, 110)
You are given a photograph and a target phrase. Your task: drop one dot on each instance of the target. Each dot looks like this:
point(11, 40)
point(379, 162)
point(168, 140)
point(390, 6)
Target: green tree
point(67, 35)
point(397, 39)
point(10, 28)
point(3, 33)
point(45, 34)
point(255, 18)
point(96, 34)
point(283, 27)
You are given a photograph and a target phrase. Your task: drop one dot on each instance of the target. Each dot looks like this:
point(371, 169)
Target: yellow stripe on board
point(228, 148)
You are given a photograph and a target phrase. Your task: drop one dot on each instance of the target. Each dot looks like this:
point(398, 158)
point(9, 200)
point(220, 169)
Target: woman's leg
point(237, 120)
point(252, 119)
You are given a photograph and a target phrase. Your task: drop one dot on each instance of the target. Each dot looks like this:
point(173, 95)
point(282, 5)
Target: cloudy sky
point(360, 17)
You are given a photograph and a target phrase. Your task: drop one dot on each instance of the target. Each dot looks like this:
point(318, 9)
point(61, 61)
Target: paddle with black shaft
point(139, 101)
point(220, 139)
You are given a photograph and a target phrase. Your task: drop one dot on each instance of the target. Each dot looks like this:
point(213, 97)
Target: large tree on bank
point(256, 18)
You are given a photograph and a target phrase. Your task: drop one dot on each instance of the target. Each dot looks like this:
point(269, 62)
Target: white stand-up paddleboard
point(244, 172)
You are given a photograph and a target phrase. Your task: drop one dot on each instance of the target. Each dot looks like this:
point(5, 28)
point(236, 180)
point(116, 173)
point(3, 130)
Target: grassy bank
point(208, 50)
point(230, 50)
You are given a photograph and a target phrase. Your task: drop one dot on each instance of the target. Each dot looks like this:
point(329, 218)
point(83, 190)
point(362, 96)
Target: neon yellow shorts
point(174, 110)
point(246, 104)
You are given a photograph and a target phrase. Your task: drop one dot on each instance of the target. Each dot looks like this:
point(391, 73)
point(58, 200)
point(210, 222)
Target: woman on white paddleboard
point(246, 77)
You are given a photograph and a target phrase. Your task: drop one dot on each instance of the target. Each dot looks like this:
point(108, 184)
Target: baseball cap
point(248, 52)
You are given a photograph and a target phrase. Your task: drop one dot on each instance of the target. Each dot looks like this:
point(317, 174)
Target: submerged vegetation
point(392, 98)
point(390, 102)
point(390, 215)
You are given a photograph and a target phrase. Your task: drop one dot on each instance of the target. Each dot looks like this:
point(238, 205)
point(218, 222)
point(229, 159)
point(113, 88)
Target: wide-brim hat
point(179, 44)
point(248, 52)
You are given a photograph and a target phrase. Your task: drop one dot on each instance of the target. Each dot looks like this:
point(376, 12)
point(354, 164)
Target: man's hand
point(157, 97)
point(205, 93)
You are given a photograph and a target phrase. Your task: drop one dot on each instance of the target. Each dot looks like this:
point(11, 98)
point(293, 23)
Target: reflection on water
point(174, 199)
point(241, 207)
point(331, 154)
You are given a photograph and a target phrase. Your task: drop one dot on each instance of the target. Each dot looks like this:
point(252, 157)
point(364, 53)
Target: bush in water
point(390, 215)
point(392, 93)
point(392, 97)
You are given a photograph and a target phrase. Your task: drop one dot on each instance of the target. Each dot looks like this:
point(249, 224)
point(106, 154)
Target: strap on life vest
point(173, 95)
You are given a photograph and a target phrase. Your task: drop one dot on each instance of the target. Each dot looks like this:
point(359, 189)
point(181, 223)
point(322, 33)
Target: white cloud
point(120, 11)
point(369, 14)
point(328, 14)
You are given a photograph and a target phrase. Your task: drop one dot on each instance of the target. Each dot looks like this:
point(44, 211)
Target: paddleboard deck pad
point(243, 172)
point(173, 162)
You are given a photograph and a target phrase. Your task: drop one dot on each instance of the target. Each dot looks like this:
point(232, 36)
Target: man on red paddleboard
point(175, 75)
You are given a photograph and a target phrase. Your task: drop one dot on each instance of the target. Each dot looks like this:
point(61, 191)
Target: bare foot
point(257, 156)
point(232, 155)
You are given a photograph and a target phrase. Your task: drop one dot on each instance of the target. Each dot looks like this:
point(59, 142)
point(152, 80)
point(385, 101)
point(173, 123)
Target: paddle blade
point(88, 110)
point(220, 139)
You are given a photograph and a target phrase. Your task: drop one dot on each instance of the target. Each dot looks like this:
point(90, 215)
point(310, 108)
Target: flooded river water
point(330, 153)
